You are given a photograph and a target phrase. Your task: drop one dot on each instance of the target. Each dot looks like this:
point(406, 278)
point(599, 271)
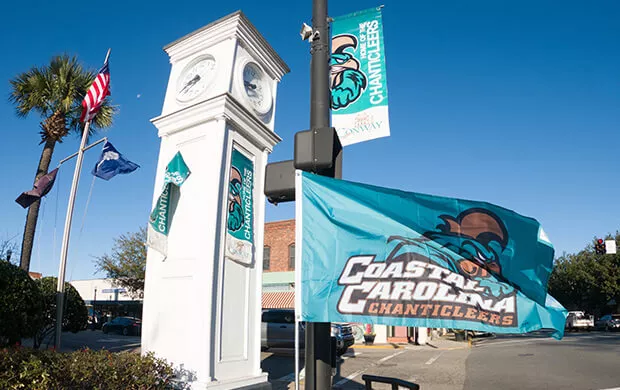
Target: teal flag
point(359, 100)
point(383, 256)
point(240, 212)
point(159, 221)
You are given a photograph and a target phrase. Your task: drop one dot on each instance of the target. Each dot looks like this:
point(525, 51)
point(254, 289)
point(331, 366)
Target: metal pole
point(64, 160)
point(60, 288)
point(318, 335)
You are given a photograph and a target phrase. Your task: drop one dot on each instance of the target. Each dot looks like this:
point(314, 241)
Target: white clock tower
point(202, 300)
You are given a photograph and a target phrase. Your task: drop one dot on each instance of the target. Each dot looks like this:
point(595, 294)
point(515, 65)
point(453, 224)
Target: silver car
point(609, 322)
point(278, 331)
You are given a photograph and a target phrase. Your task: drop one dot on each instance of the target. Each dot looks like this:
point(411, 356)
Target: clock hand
point(250, 85)
point(191, 83)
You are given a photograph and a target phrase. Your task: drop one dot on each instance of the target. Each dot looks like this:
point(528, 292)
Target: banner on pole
point(382, 256)
point(41, 188)
point(240, 212)
point(176, 174)
point(359, 97)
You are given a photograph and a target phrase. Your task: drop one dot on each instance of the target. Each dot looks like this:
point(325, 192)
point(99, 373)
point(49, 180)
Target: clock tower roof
point(235, 25)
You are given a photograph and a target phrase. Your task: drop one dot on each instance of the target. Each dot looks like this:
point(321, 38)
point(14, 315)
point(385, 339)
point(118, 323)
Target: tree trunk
point(33, 210)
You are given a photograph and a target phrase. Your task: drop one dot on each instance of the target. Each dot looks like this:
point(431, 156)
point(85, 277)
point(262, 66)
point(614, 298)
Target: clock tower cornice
point(225, 107)
point(234, 26)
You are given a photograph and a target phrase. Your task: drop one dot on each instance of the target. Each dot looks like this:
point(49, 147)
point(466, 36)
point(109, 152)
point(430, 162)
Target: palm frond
point(58, 89)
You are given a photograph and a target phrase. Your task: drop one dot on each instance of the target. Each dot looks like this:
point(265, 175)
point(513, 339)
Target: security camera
point(306, 32)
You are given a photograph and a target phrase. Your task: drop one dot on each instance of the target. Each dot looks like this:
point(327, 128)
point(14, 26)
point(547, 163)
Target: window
point(266, 258)
point(278, 316)
point(291, 256)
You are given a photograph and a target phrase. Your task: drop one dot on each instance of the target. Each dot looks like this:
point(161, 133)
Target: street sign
point(113, 290)
point(610, 246)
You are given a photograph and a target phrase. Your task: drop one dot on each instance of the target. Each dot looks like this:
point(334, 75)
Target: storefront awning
point(279, 300)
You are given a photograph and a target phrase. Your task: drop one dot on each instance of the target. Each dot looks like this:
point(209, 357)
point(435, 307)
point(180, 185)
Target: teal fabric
point(384, 256)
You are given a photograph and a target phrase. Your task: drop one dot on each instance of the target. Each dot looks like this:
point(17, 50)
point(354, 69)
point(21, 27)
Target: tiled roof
point(279, 300)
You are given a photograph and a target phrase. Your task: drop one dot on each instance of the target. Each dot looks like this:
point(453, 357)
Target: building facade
point(279, 249)
point(101, 296)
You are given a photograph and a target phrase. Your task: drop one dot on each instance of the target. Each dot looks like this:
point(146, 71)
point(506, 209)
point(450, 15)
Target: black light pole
point(318, 334)
point(317, 150)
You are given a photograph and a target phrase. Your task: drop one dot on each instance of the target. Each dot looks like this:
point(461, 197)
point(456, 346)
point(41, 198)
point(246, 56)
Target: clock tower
point(202, 299)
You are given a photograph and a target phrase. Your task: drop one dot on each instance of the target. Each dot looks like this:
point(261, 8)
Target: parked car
point(344, 337)
point(609, 322)
point(127, 326)
point(278, 331)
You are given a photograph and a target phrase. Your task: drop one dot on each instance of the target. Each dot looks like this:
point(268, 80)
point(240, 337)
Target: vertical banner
point(239, 222)
point(359, 98)
point(176, 174)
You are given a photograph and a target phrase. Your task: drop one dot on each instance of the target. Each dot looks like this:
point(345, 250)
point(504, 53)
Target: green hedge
point(29, 369)
point(21, 305)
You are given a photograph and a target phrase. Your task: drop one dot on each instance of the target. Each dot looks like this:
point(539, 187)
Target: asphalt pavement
point(579, 361)
point(93, 340)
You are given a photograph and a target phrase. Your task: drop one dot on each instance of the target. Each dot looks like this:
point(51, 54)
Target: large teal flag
point(384, 256)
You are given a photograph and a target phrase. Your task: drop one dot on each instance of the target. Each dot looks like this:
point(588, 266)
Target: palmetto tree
point(55, 92)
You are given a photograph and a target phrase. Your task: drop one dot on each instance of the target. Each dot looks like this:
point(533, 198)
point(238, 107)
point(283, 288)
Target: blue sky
point(516, 103)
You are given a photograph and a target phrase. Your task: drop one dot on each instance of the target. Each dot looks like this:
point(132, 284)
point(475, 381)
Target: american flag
point(96, 93)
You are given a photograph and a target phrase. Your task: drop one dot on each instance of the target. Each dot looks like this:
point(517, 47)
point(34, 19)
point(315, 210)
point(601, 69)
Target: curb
point(380, 346)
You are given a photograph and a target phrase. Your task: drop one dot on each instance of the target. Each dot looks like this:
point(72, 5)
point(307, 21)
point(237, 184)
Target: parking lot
point(96, 340)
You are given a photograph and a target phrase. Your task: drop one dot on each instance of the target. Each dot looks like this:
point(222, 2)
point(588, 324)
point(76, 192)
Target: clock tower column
point(202, 299)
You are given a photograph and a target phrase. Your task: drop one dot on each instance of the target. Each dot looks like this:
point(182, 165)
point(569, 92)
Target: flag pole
point(60, 288)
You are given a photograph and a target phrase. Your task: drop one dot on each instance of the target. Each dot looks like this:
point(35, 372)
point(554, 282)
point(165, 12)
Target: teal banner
point(359, 100)
point(159, 221)
point(240, 212)
point(381, 256)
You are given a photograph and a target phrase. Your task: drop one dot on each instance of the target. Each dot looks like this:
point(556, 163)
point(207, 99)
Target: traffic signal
point(599, 247)
point(319, 151)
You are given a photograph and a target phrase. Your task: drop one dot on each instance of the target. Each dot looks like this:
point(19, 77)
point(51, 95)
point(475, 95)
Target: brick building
point(279, 250)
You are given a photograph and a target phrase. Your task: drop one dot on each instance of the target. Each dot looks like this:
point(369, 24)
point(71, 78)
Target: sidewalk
point(440, 343)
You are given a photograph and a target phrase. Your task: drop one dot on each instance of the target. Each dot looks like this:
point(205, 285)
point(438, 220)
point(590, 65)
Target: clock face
point(195, 78)
point(256, 88)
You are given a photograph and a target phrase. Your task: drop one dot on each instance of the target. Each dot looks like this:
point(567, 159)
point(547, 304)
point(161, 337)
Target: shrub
point(75, 314)
point(24, 368)
point(21, 305)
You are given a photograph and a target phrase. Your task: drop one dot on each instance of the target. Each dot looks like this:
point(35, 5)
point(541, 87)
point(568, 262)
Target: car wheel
point(125, 331)
point(105, 330)
point(341, 351)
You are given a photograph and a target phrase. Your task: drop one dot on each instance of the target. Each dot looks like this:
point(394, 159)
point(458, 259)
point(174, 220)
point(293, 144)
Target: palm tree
point(55, 92)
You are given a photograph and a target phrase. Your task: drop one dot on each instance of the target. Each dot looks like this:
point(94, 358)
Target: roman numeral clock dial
point(257, 88)
point(195, 78)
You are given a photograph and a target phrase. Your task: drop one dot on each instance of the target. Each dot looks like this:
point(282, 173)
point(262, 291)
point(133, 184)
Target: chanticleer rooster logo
point(477, 235)
point(347, 81)
point(235, 208)
point(470, 244)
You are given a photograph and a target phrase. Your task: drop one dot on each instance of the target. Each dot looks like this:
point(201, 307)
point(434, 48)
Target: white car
point(578, 320)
